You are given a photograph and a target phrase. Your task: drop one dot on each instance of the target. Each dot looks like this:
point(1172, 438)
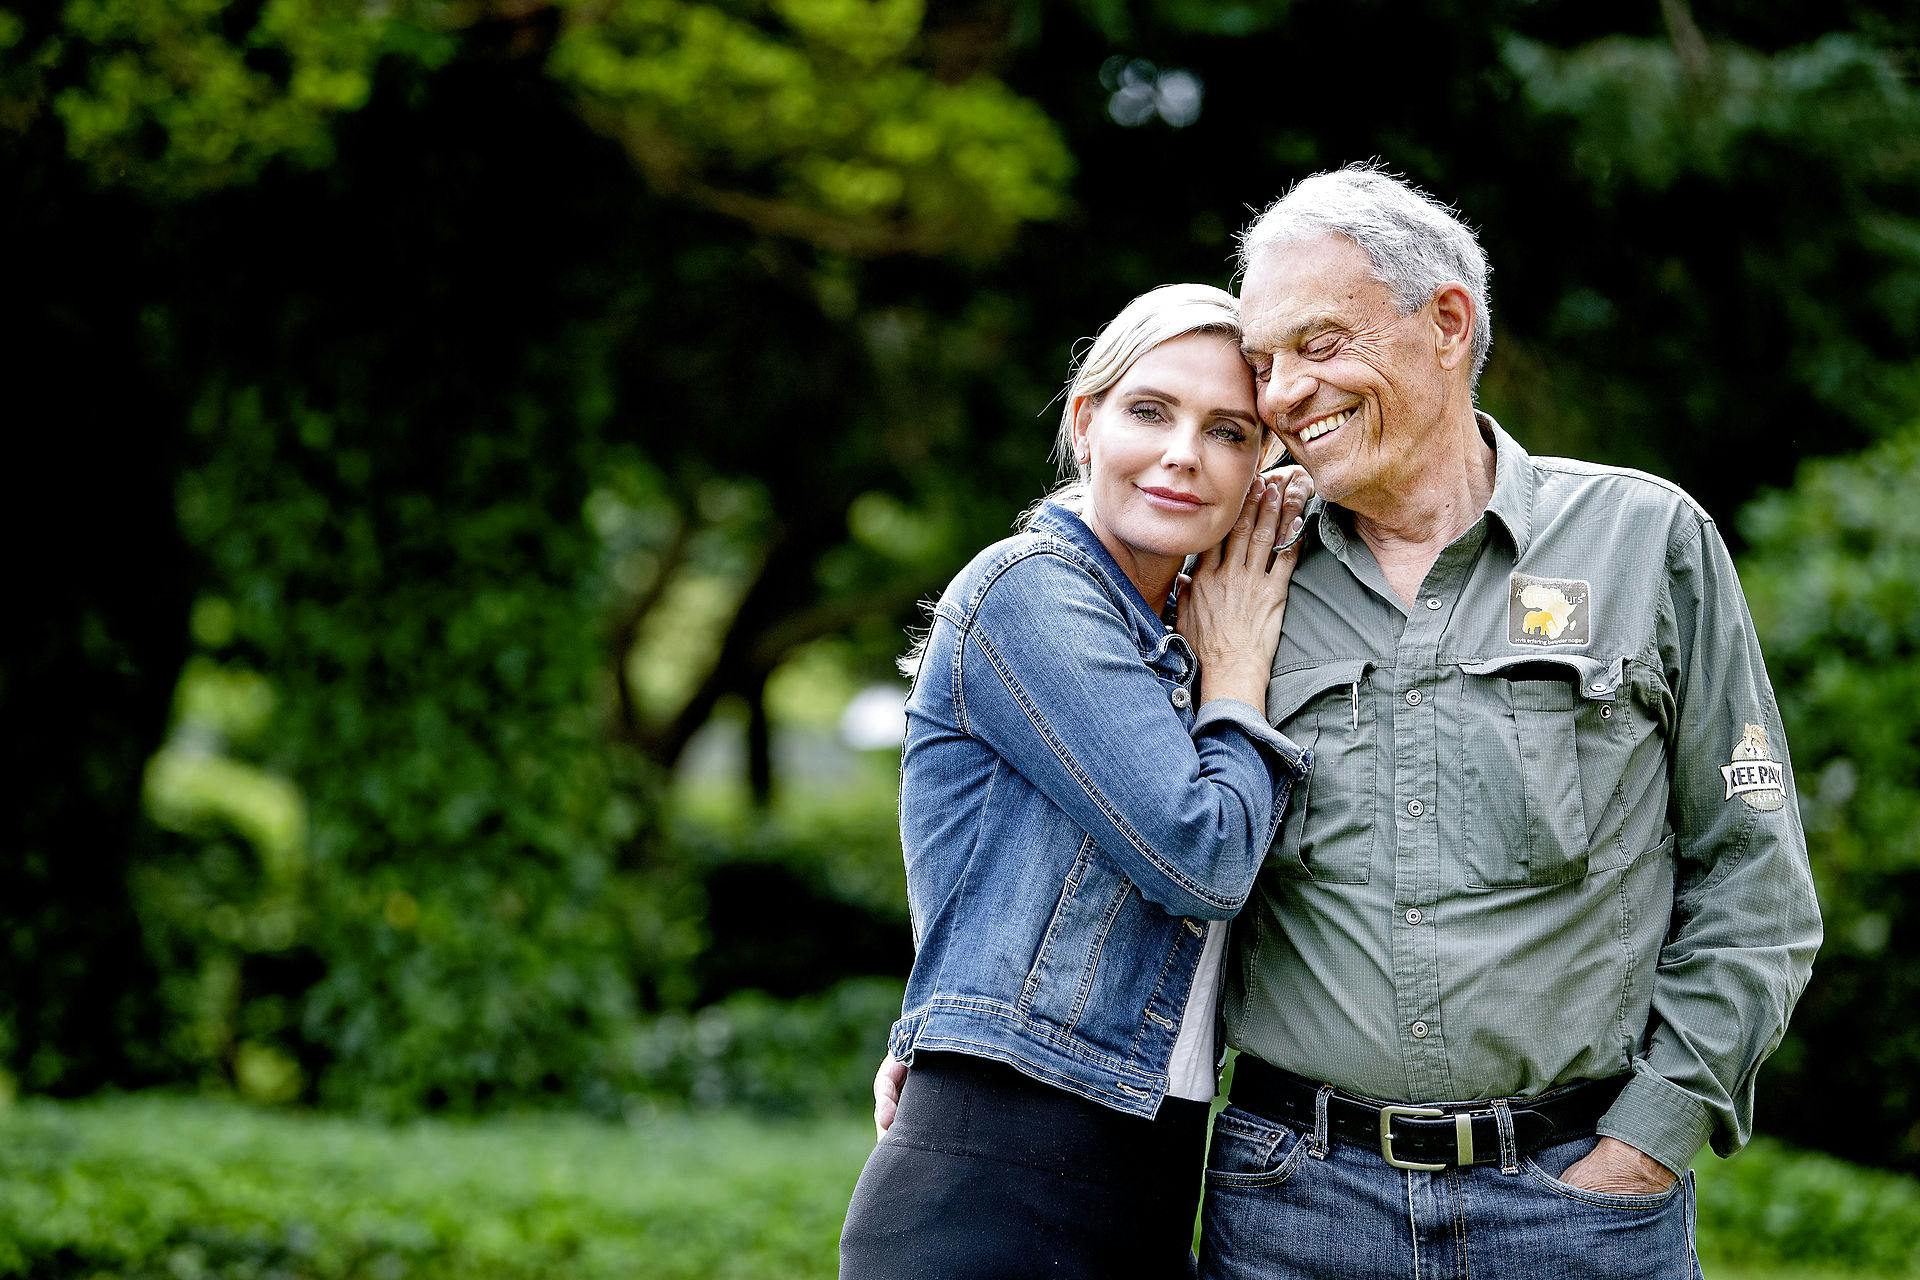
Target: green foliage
point(777, 1057)
point(819, 126)
point(221, 107)
point(1834, 582)
point(146, 1189)
point(431, 641)
point(152, 1189)
point(1772, 1206)
point(1678, 158)
point(807, 118)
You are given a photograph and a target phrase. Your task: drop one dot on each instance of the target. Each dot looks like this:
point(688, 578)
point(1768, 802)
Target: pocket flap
point(1288, 691)
point(1596, 679)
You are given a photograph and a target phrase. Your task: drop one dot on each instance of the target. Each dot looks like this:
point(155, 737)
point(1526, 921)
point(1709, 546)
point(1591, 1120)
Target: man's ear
point(1454, 320)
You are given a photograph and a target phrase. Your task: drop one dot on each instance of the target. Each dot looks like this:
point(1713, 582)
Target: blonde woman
point(1088, 788)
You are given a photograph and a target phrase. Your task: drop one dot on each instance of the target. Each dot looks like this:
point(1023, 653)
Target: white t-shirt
point(1191, 1074)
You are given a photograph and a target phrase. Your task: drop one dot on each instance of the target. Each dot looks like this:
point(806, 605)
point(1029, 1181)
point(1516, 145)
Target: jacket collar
point(1152, 633)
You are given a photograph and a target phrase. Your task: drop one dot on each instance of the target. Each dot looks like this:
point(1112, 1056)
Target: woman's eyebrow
point(1172, 399)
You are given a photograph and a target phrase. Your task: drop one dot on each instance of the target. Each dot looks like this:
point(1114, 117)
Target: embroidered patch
point(1548, 611)
point(1760, 782)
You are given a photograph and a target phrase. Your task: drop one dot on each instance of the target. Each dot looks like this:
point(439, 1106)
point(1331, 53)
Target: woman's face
point(1170, 451)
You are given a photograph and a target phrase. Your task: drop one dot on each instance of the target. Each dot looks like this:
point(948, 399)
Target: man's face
point(1352, 386)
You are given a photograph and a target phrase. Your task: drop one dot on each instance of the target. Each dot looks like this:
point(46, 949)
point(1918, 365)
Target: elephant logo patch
point(1544, 612)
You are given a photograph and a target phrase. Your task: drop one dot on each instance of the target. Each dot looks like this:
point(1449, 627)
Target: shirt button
point(1419, 1030)
point(1606, 712)
point(1598, 686)
point(1433, 602)
point(1413, 915)
point(1413, 697)
point(1415, 808)
point(1181, 698)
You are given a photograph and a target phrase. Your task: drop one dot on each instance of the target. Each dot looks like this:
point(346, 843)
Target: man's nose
point(1284, 392)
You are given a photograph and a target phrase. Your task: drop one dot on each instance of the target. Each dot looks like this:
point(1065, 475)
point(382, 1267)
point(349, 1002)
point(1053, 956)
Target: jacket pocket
point(1061, 977)
point(1525, 790)
point(1328, 832)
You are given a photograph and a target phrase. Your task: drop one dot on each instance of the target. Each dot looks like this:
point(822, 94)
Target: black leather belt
point(1439, 1136)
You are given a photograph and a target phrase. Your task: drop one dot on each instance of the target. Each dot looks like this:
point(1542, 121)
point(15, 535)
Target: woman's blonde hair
point(1156, 316)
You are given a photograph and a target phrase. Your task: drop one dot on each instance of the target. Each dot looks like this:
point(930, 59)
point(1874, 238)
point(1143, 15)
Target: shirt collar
point(1511, 505)
point(1513, 483)
point(1062, 523)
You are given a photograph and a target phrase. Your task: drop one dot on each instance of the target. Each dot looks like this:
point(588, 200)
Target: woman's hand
point(1232, 606)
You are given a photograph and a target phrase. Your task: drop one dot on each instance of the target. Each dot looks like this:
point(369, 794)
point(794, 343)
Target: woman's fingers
point(1233, 549)
point(1266, 522)
point(1292, 517)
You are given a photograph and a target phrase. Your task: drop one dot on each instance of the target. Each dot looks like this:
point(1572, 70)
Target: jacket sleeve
point(1745, 921)
point(1051, 678)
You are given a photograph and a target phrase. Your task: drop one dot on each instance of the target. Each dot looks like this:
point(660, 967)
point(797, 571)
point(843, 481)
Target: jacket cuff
point(1660, 1118)
point(1297, 759)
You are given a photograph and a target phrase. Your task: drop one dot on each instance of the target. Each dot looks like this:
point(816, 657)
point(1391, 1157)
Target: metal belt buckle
point(1386, 1137)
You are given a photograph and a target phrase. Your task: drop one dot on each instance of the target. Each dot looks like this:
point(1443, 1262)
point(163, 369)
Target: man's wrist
point(1656, 1117)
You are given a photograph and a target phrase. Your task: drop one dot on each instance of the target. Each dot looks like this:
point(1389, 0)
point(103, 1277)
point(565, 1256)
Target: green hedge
point(157, 1188)
point(146, 1188)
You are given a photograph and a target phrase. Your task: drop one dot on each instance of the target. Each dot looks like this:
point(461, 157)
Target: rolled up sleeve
point(1745, 920)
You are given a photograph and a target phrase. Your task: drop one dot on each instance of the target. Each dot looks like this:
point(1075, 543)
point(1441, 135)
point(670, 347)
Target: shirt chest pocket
point(1530, 800)
point(1329, 830)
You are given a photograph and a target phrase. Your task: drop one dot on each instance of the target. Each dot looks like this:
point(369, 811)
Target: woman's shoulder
point(1020, 572)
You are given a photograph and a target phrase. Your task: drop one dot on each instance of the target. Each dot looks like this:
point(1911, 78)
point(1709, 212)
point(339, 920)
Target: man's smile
point(1322, 426)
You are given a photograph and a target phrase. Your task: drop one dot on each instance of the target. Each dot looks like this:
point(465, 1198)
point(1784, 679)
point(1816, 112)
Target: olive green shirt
point(1550, 833)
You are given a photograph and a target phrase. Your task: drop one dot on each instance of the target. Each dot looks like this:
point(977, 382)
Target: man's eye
point(1320, 348)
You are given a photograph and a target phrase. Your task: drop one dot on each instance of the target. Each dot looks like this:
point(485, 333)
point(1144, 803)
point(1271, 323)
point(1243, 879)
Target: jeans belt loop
point(1318, 1149)
point(1509, 1146)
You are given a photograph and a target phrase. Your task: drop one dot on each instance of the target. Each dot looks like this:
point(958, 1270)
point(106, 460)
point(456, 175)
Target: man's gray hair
point(1415, 243)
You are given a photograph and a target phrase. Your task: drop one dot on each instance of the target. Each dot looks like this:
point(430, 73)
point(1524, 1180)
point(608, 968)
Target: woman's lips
point(1172, 499)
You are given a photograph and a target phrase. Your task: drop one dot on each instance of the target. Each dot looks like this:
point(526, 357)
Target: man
point(1548, 860)
point(1549, 852)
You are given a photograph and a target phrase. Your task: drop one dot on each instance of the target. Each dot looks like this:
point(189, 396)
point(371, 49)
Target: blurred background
point(475, 461)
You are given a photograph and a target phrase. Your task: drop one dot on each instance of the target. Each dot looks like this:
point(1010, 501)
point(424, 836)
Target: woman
point(1078, 819)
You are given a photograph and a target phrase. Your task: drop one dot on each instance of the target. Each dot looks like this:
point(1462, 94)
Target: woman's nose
point(1183, 449)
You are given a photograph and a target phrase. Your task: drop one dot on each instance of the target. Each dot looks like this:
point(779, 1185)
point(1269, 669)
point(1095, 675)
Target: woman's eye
point(1230, 434)
point(1147, 412)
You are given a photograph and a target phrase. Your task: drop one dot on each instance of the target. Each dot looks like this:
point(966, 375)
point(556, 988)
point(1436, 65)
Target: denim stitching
point(1068, 891)
point(1087, 788)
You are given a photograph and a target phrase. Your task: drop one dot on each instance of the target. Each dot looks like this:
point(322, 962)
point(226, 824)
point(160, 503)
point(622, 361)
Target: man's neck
point(1410, 526)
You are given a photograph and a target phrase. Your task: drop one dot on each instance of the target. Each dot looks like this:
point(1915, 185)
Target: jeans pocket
point(1251, 1151)
point(1556, 1162)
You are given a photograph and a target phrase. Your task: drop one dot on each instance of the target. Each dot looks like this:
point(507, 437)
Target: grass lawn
point(158, 1188)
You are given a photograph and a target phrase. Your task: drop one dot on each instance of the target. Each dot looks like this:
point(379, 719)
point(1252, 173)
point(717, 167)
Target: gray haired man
point(1543, 906)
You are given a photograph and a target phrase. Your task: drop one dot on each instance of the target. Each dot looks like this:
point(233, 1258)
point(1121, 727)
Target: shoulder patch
point(1760, 782)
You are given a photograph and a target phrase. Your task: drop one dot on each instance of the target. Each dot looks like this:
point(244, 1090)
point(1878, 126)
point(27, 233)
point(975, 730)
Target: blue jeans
point(1284, 1205)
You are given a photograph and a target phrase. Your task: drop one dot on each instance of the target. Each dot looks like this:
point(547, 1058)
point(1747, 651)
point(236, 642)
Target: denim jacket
point(1070, 819)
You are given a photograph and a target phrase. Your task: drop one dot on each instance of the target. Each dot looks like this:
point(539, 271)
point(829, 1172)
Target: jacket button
point(1181, 698)
point(1419, 1030)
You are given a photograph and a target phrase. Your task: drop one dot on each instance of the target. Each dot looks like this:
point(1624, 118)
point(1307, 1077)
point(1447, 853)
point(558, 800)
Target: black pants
point(987, 1173)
